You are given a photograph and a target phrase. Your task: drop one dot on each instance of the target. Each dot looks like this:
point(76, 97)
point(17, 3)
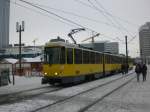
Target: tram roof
point(63, 44)
point(70, 45)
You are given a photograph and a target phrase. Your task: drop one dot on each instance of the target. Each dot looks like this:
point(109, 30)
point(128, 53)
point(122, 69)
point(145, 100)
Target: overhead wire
point(96, 8)
point(32, 4)
point(133, 37)
point(77, 15)
point(49, 12)
point(31, 9)
point(87, 18)
point(116, 21)
point(56, 15)
point(125, 21)
point(85, 4)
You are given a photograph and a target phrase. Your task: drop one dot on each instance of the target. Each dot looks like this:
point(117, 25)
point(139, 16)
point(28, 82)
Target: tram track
point(84, 92)
point(19, 92)
point(104, 96)
point(26, 94)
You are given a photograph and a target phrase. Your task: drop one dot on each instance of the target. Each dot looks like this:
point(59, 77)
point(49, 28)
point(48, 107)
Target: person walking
point(123, 69)
point(144, 72)
point(138, 71)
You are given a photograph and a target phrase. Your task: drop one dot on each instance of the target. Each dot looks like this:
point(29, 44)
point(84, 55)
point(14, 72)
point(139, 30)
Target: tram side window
point(112, 60)
point(70, 56)
point(101, 58)
point(62, 56)
point(120, 60)
point(86, 57)
point(97, 58)
point(92, 57)
point(115, 59)
point(106, 59)
point(109, 59)
point(78, 56)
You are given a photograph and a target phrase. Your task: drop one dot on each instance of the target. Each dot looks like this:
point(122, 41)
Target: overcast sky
point(128, 15)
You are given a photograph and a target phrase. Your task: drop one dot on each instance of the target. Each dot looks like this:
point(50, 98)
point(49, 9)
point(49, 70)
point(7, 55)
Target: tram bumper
point(44, 80)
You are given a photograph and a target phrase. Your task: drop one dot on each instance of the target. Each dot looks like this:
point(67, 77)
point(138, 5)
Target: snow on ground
point(134, 97)
point(22, 83)
point(78, 102)
point(26, 105)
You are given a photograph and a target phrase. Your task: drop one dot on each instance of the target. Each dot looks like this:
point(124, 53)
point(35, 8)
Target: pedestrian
point(144, 72)
point(8, 75)
point(123, 69)
point(126, 68)
point(138, 71)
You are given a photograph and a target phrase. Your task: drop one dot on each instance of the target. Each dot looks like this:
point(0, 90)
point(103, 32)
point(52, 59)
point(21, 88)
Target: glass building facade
point(4, 23)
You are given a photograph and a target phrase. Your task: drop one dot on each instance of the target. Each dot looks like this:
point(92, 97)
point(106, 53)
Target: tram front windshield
point(54, 55)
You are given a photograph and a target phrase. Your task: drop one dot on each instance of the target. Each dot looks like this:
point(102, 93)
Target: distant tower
point(144, 38)
point(4, 23)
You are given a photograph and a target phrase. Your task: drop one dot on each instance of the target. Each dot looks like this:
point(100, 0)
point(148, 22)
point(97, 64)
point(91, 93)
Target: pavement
point(22, 83)
point(134, 97)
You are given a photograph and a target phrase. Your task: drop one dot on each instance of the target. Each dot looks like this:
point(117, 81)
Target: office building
point(109, 47)
point(4, 23)
point(144, 40)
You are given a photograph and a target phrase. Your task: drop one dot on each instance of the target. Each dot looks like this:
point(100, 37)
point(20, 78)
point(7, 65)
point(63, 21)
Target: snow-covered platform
point(134, 97)
point(22, 83)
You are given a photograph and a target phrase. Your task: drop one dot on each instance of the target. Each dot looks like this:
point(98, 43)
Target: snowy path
point(134, 97)
point(49, 98)
point(22, 83)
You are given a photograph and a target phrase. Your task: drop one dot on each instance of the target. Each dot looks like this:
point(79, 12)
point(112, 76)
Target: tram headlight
point(56, 73)
point(45, 73)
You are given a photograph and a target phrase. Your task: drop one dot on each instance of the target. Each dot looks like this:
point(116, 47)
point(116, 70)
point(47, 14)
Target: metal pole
point(13, 74)
point(126, 54)
point(20, 28)
point(103, 64)
point(20, 71)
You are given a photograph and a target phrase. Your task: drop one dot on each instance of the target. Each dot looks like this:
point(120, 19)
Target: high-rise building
point(4, 23)
point(144, 38)
point(110, 47)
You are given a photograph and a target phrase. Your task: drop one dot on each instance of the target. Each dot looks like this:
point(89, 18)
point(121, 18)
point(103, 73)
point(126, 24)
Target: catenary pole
point(126, 42)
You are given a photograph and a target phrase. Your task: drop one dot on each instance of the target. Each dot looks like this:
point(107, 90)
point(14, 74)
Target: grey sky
point(46, 26)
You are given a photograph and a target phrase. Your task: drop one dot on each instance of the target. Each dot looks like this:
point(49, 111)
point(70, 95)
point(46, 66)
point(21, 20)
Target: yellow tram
point(69, 63)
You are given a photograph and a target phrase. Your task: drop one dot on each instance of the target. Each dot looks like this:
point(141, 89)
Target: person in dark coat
point(123, 69)
point(138, 71)
point(144, 72)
